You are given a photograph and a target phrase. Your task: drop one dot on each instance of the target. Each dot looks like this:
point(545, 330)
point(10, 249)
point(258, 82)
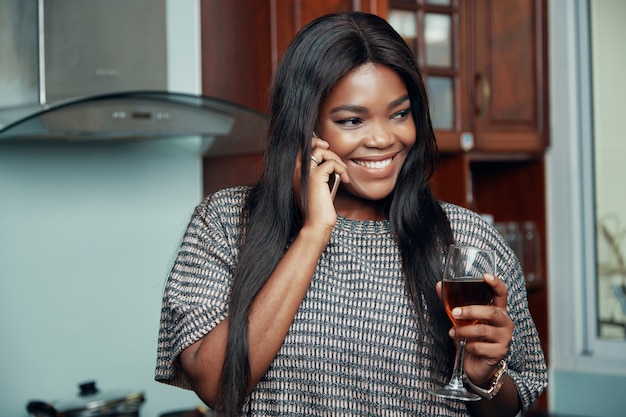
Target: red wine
point(464, 292)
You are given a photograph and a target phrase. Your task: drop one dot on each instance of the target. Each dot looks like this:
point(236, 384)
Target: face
point(368, 123)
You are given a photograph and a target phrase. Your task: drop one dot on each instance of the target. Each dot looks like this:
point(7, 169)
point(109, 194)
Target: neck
point(355, 208)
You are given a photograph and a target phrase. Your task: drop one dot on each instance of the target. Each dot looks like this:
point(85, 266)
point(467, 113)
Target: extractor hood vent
point(93, 70)
point(225, 127)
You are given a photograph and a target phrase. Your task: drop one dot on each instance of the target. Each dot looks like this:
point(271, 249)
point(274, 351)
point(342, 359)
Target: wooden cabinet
point(236, 51)
point(485, 63)
point(242, 42)
point(437, 32)
point(510, 75)
point(289, 16)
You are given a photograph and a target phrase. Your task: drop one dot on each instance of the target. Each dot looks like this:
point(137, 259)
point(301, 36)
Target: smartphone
point(334, 181)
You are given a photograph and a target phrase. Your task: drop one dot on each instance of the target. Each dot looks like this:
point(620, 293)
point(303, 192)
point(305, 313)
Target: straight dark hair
point(319, 56)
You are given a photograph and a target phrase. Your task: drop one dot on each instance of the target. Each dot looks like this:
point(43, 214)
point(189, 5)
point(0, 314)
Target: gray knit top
point(352, 348)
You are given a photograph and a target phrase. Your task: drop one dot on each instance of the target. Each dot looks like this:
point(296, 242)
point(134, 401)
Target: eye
point(350, 122)
point(402, 114)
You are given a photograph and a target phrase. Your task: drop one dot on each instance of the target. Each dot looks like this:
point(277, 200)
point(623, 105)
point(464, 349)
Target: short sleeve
point(195, 299)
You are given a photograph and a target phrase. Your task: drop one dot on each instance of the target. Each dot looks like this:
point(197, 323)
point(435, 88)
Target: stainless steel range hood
point(94, 70)
point(226, 128)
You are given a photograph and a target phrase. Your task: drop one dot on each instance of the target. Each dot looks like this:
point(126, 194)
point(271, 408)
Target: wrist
point(491, 387)
point(316, 233)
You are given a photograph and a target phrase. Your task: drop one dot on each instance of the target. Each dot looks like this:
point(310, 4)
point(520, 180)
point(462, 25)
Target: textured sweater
point(352, 348)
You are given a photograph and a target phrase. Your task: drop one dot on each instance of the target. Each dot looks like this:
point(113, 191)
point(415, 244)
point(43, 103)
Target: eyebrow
point(362, 109)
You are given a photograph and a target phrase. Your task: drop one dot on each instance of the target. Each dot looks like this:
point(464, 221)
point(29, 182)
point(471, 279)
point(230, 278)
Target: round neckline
point(346, 224)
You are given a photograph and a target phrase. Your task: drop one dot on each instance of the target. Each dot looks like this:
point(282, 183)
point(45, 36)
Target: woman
point(283, 301)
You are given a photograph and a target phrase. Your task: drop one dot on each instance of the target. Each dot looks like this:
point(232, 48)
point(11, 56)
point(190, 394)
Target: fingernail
point(489, 277)
point(452, 332)
point(456, 312)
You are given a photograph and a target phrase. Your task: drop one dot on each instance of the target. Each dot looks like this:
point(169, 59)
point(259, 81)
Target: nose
point(380, 135)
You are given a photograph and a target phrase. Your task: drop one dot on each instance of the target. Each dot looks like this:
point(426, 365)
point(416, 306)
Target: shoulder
point(222, 209)
point(226, 200)
point(470, 228)
point(459, 216)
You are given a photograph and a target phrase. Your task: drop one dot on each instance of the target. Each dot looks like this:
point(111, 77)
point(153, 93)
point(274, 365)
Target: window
point(586, 197)
point(609, 148)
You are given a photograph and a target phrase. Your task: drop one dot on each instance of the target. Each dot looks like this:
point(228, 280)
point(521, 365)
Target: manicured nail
point(456, 312)
point(489, 277)
point(452, 332)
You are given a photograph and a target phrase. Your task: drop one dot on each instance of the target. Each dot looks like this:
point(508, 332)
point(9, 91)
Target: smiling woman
point(283, 301)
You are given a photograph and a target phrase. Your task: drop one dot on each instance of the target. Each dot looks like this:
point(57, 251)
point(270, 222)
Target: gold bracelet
point(496, 382)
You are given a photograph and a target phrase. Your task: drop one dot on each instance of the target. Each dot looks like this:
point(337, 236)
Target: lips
point(374, 164)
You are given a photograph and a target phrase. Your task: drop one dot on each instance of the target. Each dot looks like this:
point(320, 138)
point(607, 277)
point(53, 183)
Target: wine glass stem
point(457, 374)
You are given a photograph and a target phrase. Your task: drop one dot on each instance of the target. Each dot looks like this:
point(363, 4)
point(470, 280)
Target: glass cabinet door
point(432, 29)
point(438, 40)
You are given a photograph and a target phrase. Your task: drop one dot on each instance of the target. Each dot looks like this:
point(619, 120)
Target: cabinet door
point(510, 75)
point(434, 30)
point(236, 51)
point(241, 46)
point(289, 16)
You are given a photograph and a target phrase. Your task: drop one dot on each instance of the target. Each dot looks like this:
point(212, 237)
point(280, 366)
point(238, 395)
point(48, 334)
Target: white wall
point(87, 236)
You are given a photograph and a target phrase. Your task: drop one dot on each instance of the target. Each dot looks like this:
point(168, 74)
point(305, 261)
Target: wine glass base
point(456, 394)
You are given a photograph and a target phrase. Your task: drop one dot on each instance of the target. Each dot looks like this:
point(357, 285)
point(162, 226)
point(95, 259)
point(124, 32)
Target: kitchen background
point(88, 233)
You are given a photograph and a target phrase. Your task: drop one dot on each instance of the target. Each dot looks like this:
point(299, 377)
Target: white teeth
point(374, 164)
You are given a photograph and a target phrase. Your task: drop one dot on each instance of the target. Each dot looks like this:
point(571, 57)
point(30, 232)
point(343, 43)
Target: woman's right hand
point(324, 163)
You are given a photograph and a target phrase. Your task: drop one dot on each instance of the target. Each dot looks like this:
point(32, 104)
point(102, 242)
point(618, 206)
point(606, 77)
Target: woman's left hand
point(488, 340)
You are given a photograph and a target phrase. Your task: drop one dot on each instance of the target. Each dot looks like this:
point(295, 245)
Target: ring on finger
point(314, 159)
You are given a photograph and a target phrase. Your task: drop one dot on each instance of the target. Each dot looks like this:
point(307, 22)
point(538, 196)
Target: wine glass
point(464, 284)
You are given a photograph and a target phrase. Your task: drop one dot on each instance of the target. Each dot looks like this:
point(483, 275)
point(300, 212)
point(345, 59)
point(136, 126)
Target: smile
point(374, 164)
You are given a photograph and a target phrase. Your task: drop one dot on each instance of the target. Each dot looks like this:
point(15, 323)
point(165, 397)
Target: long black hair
point(319, 56)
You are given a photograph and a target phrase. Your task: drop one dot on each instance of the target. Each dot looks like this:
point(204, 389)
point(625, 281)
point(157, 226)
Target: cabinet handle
point(483, 89)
